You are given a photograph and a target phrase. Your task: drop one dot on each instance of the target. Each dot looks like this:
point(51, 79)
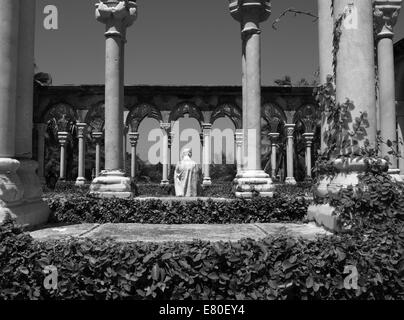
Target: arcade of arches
point(67, 115)
point(102, 117)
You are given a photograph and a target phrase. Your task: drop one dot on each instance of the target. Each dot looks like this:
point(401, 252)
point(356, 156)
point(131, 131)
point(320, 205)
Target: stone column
point(290, 129)
point(11, 189)
point(166, 127)
point(239, 138)
point(207, 130)
point(203, 154)
point(170, 137)
point(97, 136)
point(81, 180)
point(41, 130)
point(386, 14)
point(355, 80)
point(62, 137)
point(274, 136)
point(325, 37)
point(308, 136)
point(117, 16)
point(250, 14)
point(133, 137)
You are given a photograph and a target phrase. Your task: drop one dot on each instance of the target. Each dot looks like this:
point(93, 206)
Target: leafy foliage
point(79, 209)
point(274, 268)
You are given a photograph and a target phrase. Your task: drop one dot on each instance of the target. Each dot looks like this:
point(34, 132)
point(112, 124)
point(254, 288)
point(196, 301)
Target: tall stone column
point(355, 80)
point(239, 138)
point(133, 137)
point(207, 131)
point(81, 179)
point(11, 189)
point(250, 14)
point(62, 137)
point(41, 130)
point(290, 129)
point(308, 136)
point(244, 100)
point(325, 37)
point(117, 16)
point(169, 156)
point(386, 14)
point(97, 136)
point(166, 127)
point(274, 136)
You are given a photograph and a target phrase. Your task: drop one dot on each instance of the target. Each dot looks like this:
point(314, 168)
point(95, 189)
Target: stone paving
point(132, 232)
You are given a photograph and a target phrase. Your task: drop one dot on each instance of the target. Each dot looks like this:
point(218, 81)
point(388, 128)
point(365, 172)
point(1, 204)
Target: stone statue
point(186, 176)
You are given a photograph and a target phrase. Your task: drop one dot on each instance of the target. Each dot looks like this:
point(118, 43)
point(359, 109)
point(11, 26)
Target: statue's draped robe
point(186, 178)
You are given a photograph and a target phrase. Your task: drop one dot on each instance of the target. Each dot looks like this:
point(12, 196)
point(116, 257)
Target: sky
point(177, 42)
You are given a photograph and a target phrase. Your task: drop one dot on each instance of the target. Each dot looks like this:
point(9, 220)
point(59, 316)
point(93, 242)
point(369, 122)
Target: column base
point(113, 183)
point(29, 214)
point(290, 181)
point(11, 187)
point(80, 181)
point(31, 183)
point(251, 183)
point(206, 182)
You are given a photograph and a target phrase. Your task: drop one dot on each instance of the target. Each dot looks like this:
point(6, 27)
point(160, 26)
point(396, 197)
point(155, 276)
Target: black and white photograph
point(201, 159)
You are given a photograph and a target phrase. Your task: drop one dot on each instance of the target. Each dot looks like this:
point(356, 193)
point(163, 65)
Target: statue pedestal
point(112, 183)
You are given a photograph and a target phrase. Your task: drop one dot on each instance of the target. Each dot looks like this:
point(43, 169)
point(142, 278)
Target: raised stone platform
point(129, 232)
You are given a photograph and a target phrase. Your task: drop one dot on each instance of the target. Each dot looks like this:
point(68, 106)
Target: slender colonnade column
point(274, 136)
point(166, 127)
point(386, 14)
point(309, 137)
point(117, 16)
point(290, 129)
point(250, 14)
point(97, 136)
point(62, 137)
point(133, 137)
point(207, 130)
point(239, 137)
point(81, 180)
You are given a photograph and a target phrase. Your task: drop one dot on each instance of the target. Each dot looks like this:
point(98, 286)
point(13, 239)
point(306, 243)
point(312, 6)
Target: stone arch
point(230, 111)
point(186, 108)
point(95, 118)
point(139, 113)
point(57, 110)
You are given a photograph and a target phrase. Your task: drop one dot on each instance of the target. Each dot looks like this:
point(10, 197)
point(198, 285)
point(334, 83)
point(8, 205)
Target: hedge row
point(87, 209)
point(274, 268)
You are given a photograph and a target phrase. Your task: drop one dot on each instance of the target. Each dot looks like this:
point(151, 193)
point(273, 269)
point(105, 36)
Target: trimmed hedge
point(87, 209)
point(274, 268)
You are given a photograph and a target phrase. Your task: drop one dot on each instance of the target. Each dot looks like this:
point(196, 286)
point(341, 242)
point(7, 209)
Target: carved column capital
point(165, 127)
point(117, 15)
point(133, 138)
point(290, 129)
point(97, 136)
point(273, 136)
point(80, 129)
point(386, 13)
point(206, 128)
point(309, 138)
point(62, 138)
point(242, 9)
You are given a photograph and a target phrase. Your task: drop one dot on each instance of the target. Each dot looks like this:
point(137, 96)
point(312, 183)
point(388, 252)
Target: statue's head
point(187, 152)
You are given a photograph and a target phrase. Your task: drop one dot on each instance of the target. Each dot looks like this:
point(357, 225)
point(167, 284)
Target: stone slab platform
point(128, 232)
